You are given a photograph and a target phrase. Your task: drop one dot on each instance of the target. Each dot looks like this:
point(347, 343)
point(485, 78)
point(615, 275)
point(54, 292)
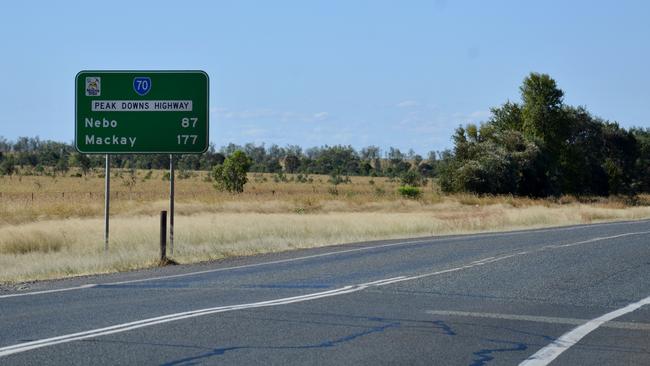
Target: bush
point(336, 179)
point(409, 192)
point(412, 178)
point(300, 178)
point(280, 177)
point(8, 166)
point(231, 175)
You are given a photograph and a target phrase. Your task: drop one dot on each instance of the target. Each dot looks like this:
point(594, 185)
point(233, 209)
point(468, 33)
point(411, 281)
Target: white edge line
point(549, 353)
point(419, 241)
point(90, 285)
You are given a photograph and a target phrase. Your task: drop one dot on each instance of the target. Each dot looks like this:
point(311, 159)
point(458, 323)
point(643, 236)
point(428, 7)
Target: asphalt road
point(566, 296)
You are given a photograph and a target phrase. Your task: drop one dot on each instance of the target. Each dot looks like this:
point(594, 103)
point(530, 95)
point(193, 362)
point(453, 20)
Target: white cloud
point(320, 116)
point(254, 132)
point(408, 104)
point(472, 117)
point(243, 115)
point(480, 114)
point(266, 113)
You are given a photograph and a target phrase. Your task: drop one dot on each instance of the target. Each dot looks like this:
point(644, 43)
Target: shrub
point(409, 192)
point(231, 175)
point(8, 166)
point(280, 177)
point(412, 178)
point(336, 179)
point(300, 178)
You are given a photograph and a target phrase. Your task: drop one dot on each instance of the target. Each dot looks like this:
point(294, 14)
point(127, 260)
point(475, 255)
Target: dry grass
point(59, 232)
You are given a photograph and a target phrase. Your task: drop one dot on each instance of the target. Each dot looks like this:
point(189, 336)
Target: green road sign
point(135, 112)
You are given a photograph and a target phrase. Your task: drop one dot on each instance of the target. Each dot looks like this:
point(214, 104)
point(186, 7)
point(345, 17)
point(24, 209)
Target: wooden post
point(163, 236)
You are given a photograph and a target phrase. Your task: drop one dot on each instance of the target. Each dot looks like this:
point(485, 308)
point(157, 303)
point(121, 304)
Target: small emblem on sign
point(142, 85)
point(93, 86)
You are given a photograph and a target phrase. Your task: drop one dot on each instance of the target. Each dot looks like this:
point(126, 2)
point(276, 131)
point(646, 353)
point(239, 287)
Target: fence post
point(163, 236)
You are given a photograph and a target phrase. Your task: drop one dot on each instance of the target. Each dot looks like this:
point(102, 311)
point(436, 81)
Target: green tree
point(621, 153)
point(542, 109)
point(642, 169)
point(582, 157)
point(543, 121)
point(7, 167)
point(231, 175)
point(507, 117)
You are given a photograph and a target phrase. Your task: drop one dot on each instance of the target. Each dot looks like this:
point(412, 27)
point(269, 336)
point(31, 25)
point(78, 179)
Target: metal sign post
point(107, 199)
point(171, 204)
point(142, 112)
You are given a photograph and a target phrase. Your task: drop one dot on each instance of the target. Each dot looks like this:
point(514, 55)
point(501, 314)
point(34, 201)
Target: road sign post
point(107, 199)
point(141, 112)
point(171, 204)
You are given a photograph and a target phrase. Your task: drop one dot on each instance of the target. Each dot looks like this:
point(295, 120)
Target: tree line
point(37, 156)
point(542, 147)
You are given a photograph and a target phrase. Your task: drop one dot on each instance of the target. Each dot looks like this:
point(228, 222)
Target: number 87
point(185, 122)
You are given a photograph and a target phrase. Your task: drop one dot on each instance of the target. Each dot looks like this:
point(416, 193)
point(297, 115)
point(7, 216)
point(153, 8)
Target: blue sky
point(386, 73)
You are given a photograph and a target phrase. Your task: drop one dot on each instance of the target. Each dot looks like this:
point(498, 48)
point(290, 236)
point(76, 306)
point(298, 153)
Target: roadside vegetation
point(52, 227)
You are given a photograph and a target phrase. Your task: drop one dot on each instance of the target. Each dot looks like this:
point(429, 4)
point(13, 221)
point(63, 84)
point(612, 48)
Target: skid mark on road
point(486, 355)
point(324, 344)
point(444, 327)
point(388, 324)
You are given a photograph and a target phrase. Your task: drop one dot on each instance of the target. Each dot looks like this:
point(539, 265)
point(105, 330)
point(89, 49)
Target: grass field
point(52, 227)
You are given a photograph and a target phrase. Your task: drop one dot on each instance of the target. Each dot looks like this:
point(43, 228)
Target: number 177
point(185, 139)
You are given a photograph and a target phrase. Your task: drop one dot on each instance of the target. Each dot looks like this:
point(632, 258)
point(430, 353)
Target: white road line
point(479, 235)
point(549, 353)
point(540, 319)
point(48, 291)
point(22, 347)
